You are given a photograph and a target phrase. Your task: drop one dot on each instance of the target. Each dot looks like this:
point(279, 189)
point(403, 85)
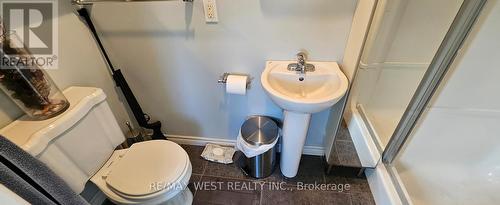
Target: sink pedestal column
point(295, 128)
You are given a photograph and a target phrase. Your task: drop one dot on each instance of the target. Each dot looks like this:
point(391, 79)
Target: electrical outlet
point(210, 8)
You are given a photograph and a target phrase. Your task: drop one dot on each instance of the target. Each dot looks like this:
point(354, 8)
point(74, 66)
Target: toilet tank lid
point(34, 135)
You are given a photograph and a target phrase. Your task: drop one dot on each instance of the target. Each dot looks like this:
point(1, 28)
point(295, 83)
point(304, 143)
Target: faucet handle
point(301, 56)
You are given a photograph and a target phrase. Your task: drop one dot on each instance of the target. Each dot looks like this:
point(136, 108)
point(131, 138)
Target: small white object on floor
point(217, 153)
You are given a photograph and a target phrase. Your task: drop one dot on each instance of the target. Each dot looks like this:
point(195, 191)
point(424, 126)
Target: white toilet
point(79, 145)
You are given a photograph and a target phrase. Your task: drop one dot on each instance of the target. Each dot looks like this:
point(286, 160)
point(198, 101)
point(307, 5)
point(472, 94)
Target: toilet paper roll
point(236, 84)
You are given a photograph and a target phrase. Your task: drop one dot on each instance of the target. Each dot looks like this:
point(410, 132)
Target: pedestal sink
point(300, 95)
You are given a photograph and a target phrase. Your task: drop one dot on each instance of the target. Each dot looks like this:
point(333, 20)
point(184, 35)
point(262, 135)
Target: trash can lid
point(259, 130)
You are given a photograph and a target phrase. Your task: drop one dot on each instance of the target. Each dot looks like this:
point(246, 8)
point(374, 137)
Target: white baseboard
point(199, 141)
point(202, 141)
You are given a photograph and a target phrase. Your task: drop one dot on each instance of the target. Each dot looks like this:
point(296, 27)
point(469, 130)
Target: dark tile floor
point(214, 183)
point(345, 152)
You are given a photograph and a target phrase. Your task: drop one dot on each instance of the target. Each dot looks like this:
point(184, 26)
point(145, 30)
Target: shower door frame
point(454, 39)
point(442, 61)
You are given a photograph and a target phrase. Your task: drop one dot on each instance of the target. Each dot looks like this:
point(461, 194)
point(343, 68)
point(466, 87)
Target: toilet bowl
point(128, 178)
point(79, 146)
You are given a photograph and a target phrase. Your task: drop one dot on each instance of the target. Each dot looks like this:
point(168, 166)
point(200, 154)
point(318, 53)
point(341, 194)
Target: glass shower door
point(403, 39)
point(439, 150)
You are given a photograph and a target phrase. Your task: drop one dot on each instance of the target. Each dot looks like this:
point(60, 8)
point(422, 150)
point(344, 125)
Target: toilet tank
point(74, 144)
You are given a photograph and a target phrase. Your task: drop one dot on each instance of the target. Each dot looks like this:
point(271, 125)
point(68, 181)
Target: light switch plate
point(210, 8)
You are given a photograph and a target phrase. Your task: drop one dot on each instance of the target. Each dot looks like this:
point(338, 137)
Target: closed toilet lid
point(148, 167)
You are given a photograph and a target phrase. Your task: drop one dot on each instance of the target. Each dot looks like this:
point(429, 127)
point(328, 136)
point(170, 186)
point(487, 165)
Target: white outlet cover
point(210, 9)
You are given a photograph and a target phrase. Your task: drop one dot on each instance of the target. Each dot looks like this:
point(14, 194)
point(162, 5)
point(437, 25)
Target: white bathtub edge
point(382, 188)
point(363, 142)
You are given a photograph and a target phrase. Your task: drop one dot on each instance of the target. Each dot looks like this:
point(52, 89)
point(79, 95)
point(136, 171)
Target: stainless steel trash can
point(257, 131)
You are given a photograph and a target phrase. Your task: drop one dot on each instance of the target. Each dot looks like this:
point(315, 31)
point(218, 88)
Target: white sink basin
point(300, 95)
point(317, 91)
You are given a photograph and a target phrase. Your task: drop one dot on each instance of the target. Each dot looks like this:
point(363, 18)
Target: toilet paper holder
point(223, 78)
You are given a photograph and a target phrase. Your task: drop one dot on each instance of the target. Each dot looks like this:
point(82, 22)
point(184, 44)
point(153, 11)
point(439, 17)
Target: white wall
point(355, 43)
point(453, 153)
point(80, 64)
point(173, 59)
point(357, 36)
point(425, 20)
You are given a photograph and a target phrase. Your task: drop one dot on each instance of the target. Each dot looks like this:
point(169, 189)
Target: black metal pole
point(85, 15)
point(120, 81)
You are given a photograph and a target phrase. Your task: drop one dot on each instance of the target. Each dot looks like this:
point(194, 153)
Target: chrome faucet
point(301, 66)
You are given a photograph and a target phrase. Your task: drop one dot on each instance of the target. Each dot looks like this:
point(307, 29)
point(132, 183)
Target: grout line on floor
point(201, 177)
point(336, 152)
point(195, 190)
point(260, 200)
point(204, 168)
point(225, 177)
point(324, 177)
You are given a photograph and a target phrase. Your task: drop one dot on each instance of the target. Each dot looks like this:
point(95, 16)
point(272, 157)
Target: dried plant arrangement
point(28, 84)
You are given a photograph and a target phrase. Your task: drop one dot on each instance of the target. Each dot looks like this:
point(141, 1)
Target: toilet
point(168, 174)
point(79, 146)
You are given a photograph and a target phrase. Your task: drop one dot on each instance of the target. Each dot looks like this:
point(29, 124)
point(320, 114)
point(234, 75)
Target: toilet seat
point(147, 173)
